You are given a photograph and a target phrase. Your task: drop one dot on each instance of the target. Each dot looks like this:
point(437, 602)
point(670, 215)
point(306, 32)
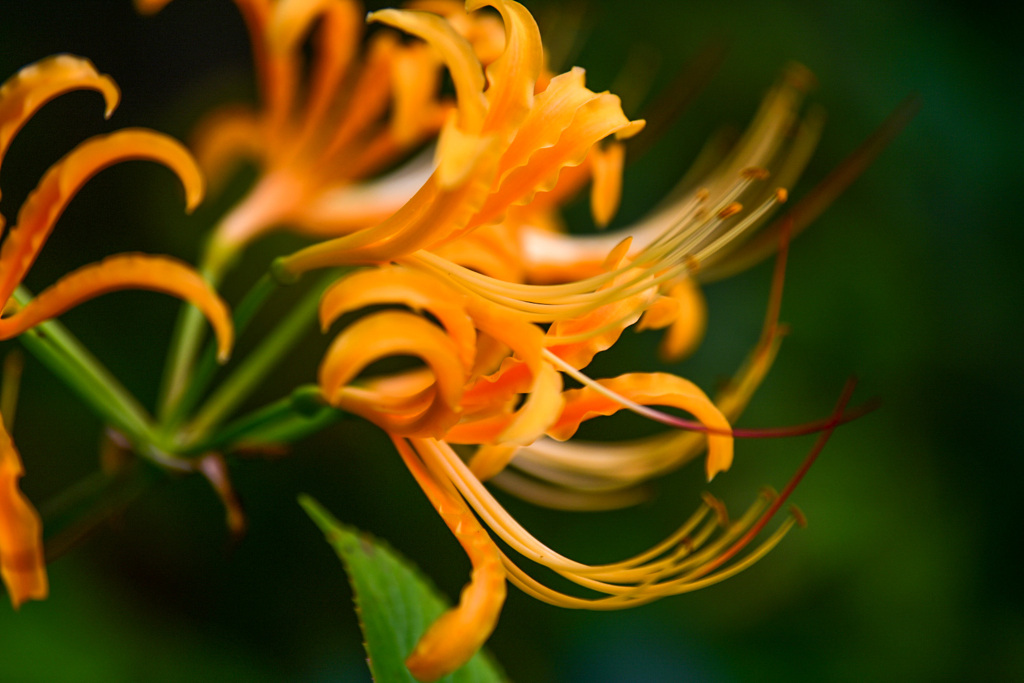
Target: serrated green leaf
point(394, 601)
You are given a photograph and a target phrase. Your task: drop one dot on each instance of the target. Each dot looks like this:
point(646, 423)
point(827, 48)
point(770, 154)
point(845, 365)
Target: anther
point(755, 173)
point(781, 195)
point(691, 262)
point(730, 210)
point(799, 516)
point(718, 507)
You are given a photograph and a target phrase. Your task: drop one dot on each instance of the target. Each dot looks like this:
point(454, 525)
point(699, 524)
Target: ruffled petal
point(45, 204)
point(578, 339)
point(595, 119)
point(650, 389)
point(126, 271)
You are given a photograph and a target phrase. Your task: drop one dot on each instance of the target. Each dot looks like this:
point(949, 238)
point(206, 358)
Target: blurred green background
point(908, 570)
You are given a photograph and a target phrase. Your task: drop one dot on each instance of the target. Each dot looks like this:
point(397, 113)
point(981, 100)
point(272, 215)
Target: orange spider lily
point(472, 253)
point(21, 556)
point(503, 303)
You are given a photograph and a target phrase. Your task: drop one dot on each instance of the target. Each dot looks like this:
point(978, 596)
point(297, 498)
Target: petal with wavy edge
point(126, 271)
point(552, 112)
point(599, 329)
point(594, 120)
point(62, 181)
point(649, 389)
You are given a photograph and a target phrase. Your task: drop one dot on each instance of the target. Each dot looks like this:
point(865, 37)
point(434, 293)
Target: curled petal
point(386, 334)
point(512, 77)
point(649, 389)
point(456, 53)
point(22, 564)
point(291, 19)
point(396, 285)
point(527, 373)
point(62, 181)
point(337, 41)
point(366, 103)
point(457, 634)
point(489, 460)
point(126, 271)
point(684, 312)
point(415, 80)
point(23, 94)
point(594, 120)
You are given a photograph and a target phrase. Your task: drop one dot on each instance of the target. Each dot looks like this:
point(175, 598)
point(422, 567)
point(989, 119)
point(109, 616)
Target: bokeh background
point(909, 568)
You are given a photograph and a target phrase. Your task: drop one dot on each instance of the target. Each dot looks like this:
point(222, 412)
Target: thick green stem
point(207, 366)
point(188, 335)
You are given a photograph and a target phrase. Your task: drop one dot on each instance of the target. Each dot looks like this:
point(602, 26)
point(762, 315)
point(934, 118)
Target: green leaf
point(395, 602)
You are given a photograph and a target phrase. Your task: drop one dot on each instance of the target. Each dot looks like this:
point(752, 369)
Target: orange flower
point(21, 556)
point(503, 306)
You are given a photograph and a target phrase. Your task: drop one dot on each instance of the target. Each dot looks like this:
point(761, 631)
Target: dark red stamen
point(754, 530)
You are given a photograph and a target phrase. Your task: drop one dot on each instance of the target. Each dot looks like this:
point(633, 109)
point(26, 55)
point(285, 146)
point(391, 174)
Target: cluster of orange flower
point(461, 252)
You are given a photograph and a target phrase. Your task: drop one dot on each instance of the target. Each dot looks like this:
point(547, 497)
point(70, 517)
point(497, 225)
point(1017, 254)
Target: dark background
point(908, 570)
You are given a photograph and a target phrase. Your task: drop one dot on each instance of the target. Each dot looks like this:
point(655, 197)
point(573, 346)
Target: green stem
point(237, 387)
point(65, 356)
point(207, 366)
point(188, 335)
point(294, 427)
